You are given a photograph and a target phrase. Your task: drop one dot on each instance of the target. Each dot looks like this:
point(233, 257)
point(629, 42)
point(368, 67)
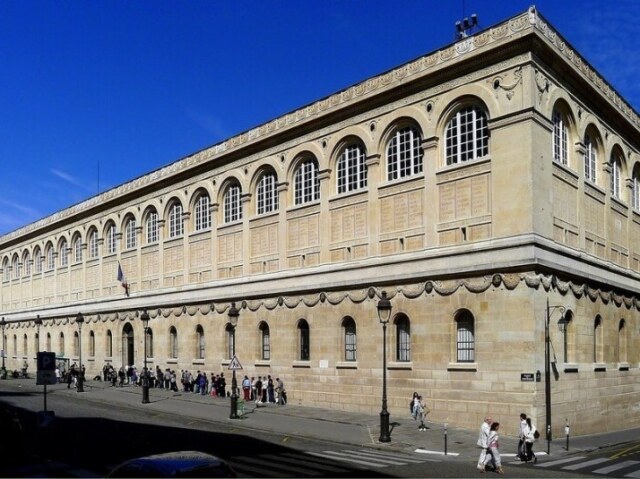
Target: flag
point(123, 280)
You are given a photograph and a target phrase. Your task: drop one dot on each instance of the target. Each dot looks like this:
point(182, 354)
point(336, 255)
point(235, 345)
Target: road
point(89, 437)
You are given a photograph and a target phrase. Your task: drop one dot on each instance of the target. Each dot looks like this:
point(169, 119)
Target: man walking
point(483, 441)
point(522, 452)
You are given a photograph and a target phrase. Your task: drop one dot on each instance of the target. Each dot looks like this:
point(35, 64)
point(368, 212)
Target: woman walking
point(493, 449)
point(530, 436)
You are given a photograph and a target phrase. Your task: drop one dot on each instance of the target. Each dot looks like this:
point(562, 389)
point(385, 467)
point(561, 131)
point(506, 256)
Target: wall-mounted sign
point(527, 377)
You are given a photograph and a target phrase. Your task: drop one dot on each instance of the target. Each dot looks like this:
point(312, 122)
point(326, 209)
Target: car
point(175, 464)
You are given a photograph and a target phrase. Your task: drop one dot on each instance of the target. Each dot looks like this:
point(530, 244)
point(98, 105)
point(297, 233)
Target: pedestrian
point(413, 405)
point(530, 436)
point(483, 438)
point(246, 388)
point(271, 390)
point(282, 394)
point(493, 449)
point(58, 375)
point(522, 451)
point(421, 411)
point(259, 391)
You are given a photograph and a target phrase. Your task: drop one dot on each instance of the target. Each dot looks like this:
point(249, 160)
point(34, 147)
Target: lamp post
point(233, 319)
point(384, 314)
point(38, 323)
point(3, 373)
point(79, 322)
point(547, 368)
point(145, 372)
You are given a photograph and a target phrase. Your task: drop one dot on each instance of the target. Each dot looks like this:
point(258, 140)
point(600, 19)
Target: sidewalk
point(324, 424)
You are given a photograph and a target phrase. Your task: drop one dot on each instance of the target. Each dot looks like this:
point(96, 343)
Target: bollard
point(566, 432)
point(445, 438)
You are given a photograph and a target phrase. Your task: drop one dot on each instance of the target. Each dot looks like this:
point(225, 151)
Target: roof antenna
point(465, 27)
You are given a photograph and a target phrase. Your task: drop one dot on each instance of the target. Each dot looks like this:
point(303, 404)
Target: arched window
point(149, 343)
point(92, 344)
point(232, 206)
point(349, 331)
point(404, 154)
point(622, 341)
point(615, 183)
point(267, 193)
point(465, 338)
point(93, 244)
point(199, 342)
point(403, 338)
point(229, 330)
point(173, 342)
point(64, 253)
point(131, 239)
point(76, 343)
point(467, 136)
point(6, 272)
point(26, 261)
point(560, 138)
point(109, 344)
point(203, 212)
point(304, 344)
point(590, 159)
point(36, 342)
point(597, 340)
point(16, 267)
point(152, 227)
point(111, 239)
point(635, 188)
point(15, 345)
point(61, 345)
point(265, 342)
point(25, 345)
point(176, 223)
point(37, 259)
point(352, 169)
point(49, 342)
point(306, 182)
point(51, 258)
point(77, 250)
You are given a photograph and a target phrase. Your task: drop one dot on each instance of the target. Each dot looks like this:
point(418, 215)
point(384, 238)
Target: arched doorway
point(127, 345)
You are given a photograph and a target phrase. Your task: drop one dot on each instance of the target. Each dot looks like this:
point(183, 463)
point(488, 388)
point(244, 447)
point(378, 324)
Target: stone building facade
point(475, 185)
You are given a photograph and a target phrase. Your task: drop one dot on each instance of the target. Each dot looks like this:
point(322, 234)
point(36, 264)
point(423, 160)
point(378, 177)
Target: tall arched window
point(304, 341)
point(597, 340)
point(232, 206)
point(560, 138)
point(51, 258)
point(267, 193)
point(635, 188)
point(176, 223)
point(622, 341)
point(16, 267)
point(590, 159)
point(131, 239)
point(404, 154)
point(306, 182)
point(6, 272)
point(25, 345)
point(465, 334)
point(49, 342)
point(92, 344)
point(111, 239)
point(109, 344)
point(149, 343)
point(230, 340)
point(15, 345)
point(173, 342)
point(265, 342)
point(152, 227)
point(61, 345)
point(76, 343)
point(77, 250)
point(403, 338)
point(615, 183)
point(199, 342)
point(350, 343)
point(64, 253)
point(352, 169)
point(37, 259)
point(203, 212)
point(467, 136)
point(93, 244)
point(26, 261)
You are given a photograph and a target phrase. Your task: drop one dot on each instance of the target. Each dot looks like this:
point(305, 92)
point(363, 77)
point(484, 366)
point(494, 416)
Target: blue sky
point(96, 93)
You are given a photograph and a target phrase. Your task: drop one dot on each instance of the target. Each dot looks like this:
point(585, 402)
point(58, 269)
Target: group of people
point(264, 390)
point(488, 442)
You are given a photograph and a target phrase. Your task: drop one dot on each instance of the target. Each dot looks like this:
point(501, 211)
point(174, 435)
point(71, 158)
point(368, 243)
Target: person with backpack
point(530, 436)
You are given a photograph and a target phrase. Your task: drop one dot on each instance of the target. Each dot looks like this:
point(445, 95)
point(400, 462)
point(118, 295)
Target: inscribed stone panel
point(565, 201)
point(37, 288)
point(480, 195)
point(360, 251)
point(200, 254)
point(479, 232)
point(401, 212)
point(312, 259)
point(172, 258)
point(447, 195)
point(76, 279)
point(337, 255)
point(415, 243)
point(237, 246)
point(130, 268)
point(617, 223)
point(293, 239)
point(62, 281)
point(387, 212)
point(594, 216)
point(348, 223)
point(388, 247)
point(109, 272)
point(463, 198)
point(337, 234)
point(415, 204)
point(447, 237)
point(150, 264)
point(92, 275)
point(264, 240)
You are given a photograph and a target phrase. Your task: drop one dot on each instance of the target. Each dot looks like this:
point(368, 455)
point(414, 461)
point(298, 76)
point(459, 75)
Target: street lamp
point(233, 319)
point(384, 314)
point(79, 321)
point(145, 372)
point(3, 373)
point(38, 323)
point(547, 367)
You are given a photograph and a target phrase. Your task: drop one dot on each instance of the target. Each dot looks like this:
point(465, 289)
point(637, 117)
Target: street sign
point(45, 377)
point(46, 369)
point(526, 377)
point(235, 365)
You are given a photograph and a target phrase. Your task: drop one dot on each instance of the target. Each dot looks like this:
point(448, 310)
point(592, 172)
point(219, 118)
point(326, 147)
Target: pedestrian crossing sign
point(235, 365)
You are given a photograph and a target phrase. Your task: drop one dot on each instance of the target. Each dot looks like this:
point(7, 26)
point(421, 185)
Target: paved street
point(288, 441)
